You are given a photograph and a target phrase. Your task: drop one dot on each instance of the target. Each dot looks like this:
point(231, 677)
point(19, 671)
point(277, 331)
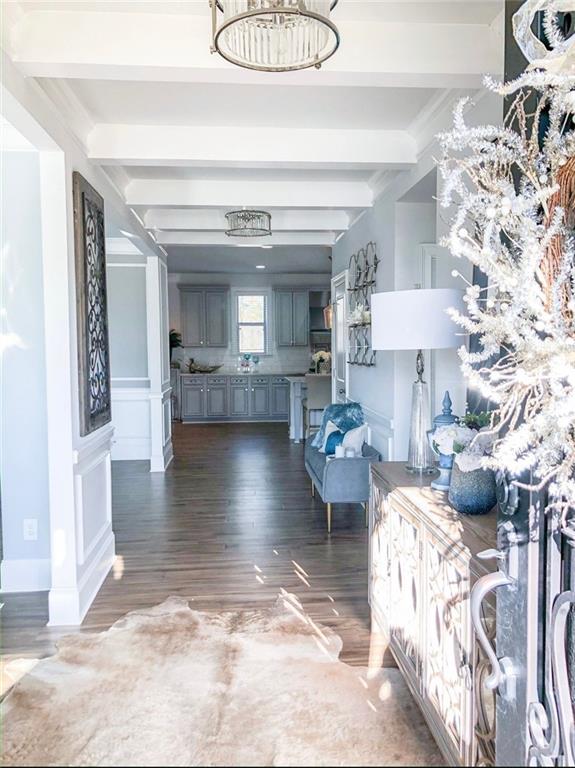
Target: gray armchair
point(340, 481)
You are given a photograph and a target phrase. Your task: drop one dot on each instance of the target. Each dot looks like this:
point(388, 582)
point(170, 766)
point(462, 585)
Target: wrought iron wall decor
point(361, 284)
point(91, 307)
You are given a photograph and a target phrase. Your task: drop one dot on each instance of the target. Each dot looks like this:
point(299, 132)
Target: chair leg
point(312, 490)
point(366, 508)
point(329, 517)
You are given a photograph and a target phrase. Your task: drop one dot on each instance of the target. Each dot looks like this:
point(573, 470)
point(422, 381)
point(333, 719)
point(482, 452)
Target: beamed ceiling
point(185, 136)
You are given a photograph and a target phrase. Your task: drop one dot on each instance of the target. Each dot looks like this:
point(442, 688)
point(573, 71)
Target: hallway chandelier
point(274, 35)
point(249, 223)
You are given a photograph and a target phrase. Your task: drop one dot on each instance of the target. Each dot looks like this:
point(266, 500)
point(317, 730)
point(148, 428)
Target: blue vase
point(445, 418)
point(443, 482)
point(472, 493)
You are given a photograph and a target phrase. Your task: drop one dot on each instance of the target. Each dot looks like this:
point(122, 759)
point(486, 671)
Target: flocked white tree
point(514, 186)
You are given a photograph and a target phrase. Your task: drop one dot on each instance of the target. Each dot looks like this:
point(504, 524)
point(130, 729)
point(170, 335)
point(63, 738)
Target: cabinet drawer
point(279, 380)
point(243, 380)
point(260, 380)
point(217, 379)
point(193, 381)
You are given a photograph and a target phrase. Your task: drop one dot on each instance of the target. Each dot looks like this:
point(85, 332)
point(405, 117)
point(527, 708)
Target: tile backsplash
point(288, 360)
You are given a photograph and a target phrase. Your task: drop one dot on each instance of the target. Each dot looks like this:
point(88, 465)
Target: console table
point(422, 564)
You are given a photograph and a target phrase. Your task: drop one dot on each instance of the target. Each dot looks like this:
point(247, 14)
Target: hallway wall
point(23, 427)
point(79, 467)
point(399, 229)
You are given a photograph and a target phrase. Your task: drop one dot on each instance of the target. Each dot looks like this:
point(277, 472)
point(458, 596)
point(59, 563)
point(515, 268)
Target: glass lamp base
point(420, 470)
point(420, 457)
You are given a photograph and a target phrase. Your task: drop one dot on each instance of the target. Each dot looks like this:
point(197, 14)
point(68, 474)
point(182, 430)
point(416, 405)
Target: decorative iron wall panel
point(91, 306)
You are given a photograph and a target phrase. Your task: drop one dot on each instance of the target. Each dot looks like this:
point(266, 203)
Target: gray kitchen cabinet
point(300, 301)
point(224, 397)
point(284, 318)
point(204, 316)
point(193, 399)
point(216, 318)
point(260, 396)
point(217, 400)
point(192, 308)
point(292, 318)
point(279, 397)
point(239, 400)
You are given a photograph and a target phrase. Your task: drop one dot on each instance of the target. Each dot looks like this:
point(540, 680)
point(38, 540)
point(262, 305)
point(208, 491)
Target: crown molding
point(71, 108)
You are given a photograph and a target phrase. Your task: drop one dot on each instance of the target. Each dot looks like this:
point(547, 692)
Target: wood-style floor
point(227, 526)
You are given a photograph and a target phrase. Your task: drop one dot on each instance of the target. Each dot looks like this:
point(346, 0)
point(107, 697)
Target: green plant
point(477, 420)
point(175, 340)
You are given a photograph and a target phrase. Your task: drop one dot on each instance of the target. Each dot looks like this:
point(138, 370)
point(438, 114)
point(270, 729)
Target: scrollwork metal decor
point(361, 283)
point(551, 721)
point(91, 307)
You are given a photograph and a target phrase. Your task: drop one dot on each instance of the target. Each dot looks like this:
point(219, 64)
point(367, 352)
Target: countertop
point(241, 373)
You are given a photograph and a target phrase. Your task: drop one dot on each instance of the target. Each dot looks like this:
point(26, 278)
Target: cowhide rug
point(175, 687)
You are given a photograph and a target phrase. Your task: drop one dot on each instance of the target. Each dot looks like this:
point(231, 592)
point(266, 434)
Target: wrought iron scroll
point(361, 283)
point(91, 305)
point(551, 721)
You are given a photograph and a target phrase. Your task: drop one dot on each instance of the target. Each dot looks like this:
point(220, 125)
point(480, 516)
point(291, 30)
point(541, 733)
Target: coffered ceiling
point(185, 136)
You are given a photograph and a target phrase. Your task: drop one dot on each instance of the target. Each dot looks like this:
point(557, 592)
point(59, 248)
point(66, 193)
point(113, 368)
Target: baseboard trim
point(68, 606)
point(26, 575)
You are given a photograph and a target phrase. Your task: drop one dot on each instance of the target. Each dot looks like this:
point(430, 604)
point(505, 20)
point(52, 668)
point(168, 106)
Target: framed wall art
point(91, 307)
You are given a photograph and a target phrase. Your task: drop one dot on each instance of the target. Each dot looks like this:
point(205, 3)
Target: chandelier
point(274, 35)
point(246, 223)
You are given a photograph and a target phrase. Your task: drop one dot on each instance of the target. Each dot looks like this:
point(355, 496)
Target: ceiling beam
point(202, 146)
point(151, 193)
point(326, 239)
point(213, 220)
point(175, 47)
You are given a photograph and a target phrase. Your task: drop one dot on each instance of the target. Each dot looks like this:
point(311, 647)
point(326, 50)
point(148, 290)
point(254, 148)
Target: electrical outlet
point(30, 529)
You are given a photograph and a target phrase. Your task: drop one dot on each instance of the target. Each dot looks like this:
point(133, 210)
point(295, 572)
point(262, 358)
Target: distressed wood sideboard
point(422, 564)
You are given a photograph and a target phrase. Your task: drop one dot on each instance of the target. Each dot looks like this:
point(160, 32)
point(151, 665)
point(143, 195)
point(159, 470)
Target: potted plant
point(473, 488)
point(322, 361)
point(175, 341)
point(445, 441)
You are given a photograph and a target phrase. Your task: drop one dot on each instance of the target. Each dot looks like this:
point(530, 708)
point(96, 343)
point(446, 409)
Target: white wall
point(127, 323)
point(23, 428)
point(82, 540)
point(414, 226)
point(280, 359)
point(399, 229)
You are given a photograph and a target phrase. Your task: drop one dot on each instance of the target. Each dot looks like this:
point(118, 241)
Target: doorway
point(339, 338)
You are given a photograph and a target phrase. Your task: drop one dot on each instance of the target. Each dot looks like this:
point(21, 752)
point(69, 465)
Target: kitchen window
point(252, 322)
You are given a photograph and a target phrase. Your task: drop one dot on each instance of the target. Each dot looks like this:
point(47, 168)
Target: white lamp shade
point(415, 319)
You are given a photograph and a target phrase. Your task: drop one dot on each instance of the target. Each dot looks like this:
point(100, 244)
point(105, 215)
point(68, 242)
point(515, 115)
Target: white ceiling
point(249, 174)
point(421, 11)
point(185, 136)
point(144, 103)
point(240, 259)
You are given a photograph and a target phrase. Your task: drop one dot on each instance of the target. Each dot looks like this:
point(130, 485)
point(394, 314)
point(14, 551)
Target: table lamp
point(417, 319)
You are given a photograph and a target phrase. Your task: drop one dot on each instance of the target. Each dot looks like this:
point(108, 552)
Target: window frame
point(266, 294)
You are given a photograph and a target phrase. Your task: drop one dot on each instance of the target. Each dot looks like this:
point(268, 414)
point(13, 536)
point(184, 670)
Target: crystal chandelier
point(247, 223)
point(274, 35)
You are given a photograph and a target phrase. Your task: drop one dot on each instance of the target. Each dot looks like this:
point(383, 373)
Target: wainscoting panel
point(93, 537)
point(381, 432)
point(131, 420)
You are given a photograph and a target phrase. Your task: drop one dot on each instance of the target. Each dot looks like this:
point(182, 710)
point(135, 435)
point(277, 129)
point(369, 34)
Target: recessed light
point(266, 246)
point(260, 266)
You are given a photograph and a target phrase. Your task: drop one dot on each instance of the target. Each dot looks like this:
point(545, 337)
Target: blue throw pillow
point(345, 416)
point(334, 439)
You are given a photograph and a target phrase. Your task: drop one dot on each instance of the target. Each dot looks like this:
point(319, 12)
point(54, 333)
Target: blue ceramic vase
point(472, 493)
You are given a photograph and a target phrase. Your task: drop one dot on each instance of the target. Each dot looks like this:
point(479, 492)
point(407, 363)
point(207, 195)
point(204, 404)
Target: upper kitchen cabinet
point(292, 318)
point(204, 312)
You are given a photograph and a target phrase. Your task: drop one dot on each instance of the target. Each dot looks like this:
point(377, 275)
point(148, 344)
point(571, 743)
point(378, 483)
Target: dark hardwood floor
point(228, 525)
